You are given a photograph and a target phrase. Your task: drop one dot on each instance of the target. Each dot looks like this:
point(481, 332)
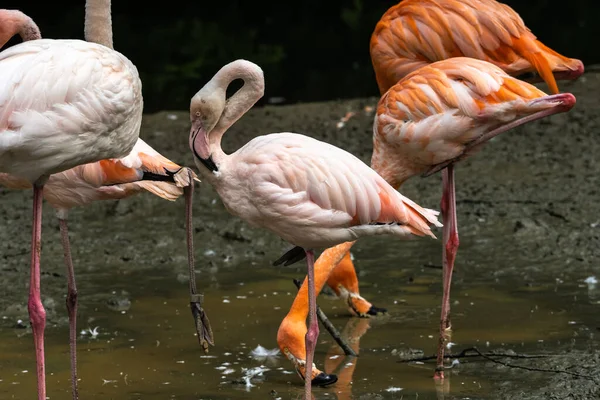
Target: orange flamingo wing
point(143, 163)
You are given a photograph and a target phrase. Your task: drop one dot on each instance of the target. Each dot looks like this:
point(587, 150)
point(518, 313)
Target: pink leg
point(313, 325)
point(450, 239)
point(71, 303)
point(37, 314)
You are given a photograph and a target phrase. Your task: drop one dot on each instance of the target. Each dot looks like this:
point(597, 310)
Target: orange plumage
point(110, 179)
point(415, 33)
point(292, 330)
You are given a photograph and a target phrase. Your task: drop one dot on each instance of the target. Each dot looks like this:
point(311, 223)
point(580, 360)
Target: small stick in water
point(335, 334)
point(203, 329)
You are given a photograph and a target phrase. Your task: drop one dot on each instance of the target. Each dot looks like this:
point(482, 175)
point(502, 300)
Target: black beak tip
point(209, 163)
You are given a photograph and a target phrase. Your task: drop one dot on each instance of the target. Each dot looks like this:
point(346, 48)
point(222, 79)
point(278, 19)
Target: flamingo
point(63, 103)
point(293, 329)
point(415, 33)
point(431, 119)
point(308, 192)
point(143, 169)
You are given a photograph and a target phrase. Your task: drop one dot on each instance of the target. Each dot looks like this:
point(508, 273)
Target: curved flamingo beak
point(199, 139)
point(199, 144)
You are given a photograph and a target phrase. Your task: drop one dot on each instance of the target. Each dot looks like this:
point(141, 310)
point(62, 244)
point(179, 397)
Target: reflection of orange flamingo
point(415, 33)
point(436, 116)
point(336, 361)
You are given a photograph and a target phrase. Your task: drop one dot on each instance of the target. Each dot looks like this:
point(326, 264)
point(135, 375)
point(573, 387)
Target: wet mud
point(529, 225)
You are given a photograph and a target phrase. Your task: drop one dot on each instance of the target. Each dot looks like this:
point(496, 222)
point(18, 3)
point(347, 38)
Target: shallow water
point(148, 351)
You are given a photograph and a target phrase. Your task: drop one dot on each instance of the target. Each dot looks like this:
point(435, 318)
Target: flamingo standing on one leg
point(434, 117)
point(308, 192)
point(63, 103)
point(415, 33)
point(143, 169)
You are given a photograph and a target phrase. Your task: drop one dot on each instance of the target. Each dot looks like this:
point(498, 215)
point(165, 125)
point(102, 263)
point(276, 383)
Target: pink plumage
point(308, 192)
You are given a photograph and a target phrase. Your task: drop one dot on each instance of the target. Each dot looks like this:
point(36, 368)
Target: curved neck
point(15, 22)
point(237, 105)
point(98, 23)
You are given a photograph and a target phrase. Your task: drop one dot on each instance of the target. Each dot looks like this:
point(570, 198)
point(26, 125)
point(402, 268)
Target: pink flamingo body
point(310, 193)
point(63, 103)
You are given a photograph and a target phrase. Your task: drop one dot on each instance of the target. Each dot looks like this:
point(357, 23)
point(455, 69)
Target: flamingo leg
point(71, 303)
point(451, 242)
point(313, 326)
point(37, 314)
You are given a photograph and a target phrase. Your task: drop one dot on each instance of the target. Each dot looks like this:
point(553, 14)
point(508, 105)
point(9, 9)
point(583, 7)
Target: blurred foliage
point(309, 50)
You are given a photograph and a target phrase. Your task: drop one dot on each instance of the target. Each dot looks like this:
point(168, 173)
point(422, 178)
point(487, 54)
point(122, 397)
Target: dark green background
point(309, 49)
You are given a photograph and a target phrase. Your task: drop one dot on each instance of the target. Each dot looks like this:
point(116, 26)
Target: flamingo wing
point(317, 184)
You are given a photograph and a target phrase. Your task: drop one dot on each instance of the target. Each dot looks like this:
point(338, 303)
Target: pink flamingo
point(63, 103)
point(143, 169)
point(310, 193)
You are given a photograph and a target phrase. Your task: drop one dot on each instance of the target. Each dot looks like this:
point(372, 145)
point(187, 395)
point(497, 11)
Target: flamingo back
point(314, 194)
point(431, 115)
point(65, 103)
point(414, 33)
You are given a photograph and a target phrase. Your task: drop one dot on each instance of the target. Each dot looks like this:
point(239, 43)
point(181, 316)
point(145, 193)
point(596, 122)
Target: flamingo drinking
point(310, 193)
point(63, 103)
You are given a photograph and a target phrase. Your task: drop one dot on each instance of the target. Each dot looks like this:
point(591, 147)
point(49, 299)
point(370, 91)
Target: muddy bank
point(528, 213)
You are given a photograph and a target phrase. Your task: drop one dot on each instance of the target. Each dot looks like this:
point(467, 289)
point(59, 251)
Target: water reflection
point(148, 350)
point(341, 365)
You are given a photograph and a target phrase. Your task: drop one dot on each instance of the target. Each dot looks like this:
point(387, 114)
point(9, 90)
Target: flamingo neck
point(98, 22)
point(15, 22)
point(237, 105)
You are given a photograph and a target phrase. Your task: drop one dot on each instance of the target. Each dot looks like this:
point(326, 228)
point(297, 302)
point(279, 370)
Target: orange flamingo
point(143, 169)
point(415, 33)
point(292, 330)
point(425, 123)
